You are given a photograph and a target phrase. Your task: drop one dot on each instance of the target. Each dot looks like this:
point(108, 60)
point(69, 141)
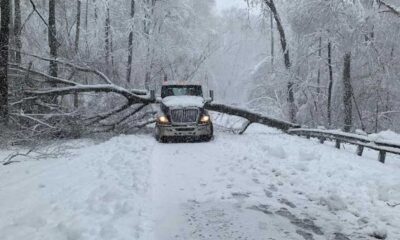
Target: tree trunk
point(286, 55)
point(95, 11)
point(272, 42)
point(130, 45)
point(52, 31)
point(347, 93)
point(330, 87)
point(86, 14)
point(150, 4)
point(78, 25)
point(319, 68)
point(107, 41)
point(77, 36)
point(17, 30)
point(4, 42)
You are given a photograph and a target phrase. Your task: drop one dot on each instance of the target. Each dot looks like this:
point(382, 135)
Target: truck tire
point(157, 135)
point(209, 137)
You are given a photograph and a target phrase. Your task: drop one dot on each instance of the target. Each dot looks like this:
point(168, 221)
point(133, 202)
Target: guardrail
point(360, 141)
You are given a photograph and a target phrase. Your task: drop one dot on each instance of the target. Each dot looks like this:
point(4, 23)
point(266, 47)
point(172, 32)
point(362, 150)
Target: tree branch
point(391, 8)
point(100, 88)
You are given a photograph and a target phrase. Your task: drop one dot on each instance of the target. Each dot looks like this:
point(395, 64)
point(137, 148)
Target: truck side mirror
point(211, 95)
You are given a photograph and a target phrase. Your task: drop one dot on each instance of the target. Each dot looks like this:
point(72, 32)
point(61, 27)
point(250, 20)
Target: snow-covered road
point(262, 185)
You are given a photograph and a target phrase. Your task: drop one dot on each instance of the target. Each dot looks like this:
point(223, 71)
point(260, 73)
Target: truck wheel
point(157, 135)
point(210, 137)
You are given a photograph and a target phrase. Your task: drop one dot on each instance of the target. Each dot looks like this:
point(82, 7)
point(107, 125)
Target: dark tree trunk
point(107, 40)
point(330, 87)
point(78, 25)
point(286, 55)
point(272, 41)
point(319, 68)
point(53, 44)
point(4, 41)
point(77, 37)
point(347, 93)
point(95, 10)
point(86, 14)
point(130, 45)
point(17, 30)
point(252, 117)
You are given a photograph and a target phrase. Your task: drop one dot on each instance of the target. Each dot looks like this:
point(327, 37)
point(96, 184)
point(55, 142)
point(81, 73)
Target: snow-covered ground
point(262, 185)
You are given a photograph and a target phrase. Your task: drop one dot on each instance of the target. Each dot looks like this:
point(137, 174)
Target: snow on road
point(262, 185)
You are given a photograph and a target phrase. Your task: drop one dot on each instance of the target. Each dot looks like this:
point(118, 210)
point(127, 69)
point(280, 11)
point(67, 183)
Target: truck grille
point(184, 115)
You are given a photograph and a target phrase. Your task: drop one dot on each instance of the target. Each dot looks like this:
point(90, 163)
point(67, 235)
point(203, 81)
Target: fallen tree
point(33, 112)
point(251, 117)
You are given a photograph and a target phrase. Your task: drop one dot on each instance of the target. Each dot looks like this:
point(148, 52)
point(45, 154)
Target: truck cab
point(182, 113)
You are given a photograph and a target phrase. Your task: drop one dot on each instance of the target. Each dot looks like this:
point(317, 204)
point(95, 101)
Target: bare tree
point(78, 25)
point(107, 39)
point(286, 56)
point(52, 32)
point(347, 93)
point(330, 85)
point(130, 45)
point(4, 46)
point(17, 29)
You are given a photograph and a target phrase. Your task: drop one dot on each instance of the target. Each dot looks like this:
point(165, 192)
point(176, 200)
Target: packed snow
point(261, 185)
point(183, 101)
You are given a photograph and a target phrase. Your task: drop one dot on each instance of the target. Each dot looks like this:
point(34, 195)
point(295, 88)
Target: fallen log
point(251, 116)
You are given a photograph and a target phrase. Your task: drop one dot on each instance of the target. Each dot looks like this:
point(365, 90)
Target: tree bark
point(107, 41)
point(150, 4)
point(78, 25)
point(77, 37)
point(286, 55)
point(4, 46)
point(95, 11)
point(272, 41)
point(330, 87)
point(130, 45)
point(319, 68)
point(347, 93)
point(53, 44)
point(17, 30)
point(252, 117)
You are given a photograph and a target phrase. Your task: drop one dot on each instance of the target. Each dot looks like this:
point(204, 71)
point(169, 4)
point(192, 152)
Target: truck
point(183, 114)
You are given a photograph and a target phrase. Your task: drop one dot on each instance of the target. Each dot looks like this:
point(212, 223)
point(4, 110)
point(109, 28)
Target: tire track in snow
point(211, 191)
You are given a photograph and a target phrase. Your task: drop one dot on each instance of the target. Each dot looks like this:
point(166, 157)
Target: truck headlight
point(163, 120)
point(205, 119)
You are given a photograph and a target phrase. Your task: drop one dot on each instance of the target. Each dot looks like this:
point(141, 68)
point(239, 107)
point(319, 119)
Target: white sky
point(224, 4)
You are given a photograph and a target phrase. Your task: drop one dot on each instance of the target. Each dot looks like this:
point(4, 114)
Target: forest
point(71, 67)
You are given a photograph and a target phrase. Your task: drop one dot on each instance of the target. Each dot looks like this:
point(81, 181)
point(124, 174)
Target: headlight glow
point(163, 119)
point(205, 119)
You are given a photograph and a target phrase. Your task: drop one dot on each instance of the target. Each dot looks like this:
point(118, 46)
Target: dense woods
point(69, 66)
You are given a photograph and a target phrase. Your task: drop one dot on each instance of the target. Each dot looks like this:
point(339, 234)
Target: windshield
point(187, 90)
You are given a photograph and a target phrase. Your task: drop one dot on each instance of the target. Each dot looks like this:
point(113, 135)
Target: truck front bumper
point(184, 131)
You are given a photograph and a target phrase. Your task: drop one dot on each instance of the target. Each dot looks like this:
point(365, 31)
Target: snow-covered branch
point(100, 88)
point(390, 7)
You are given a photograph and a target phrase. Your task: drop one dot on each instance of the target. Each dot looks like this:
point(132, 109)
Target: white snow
point(263, 184)
point(183, 101)
point(386, 137)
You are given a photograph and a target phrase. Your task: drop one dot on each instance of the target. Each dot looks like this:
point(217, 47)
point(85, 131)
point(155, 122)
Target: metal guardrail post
point(382, 156)
point(338, 144)
point(360, 150)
